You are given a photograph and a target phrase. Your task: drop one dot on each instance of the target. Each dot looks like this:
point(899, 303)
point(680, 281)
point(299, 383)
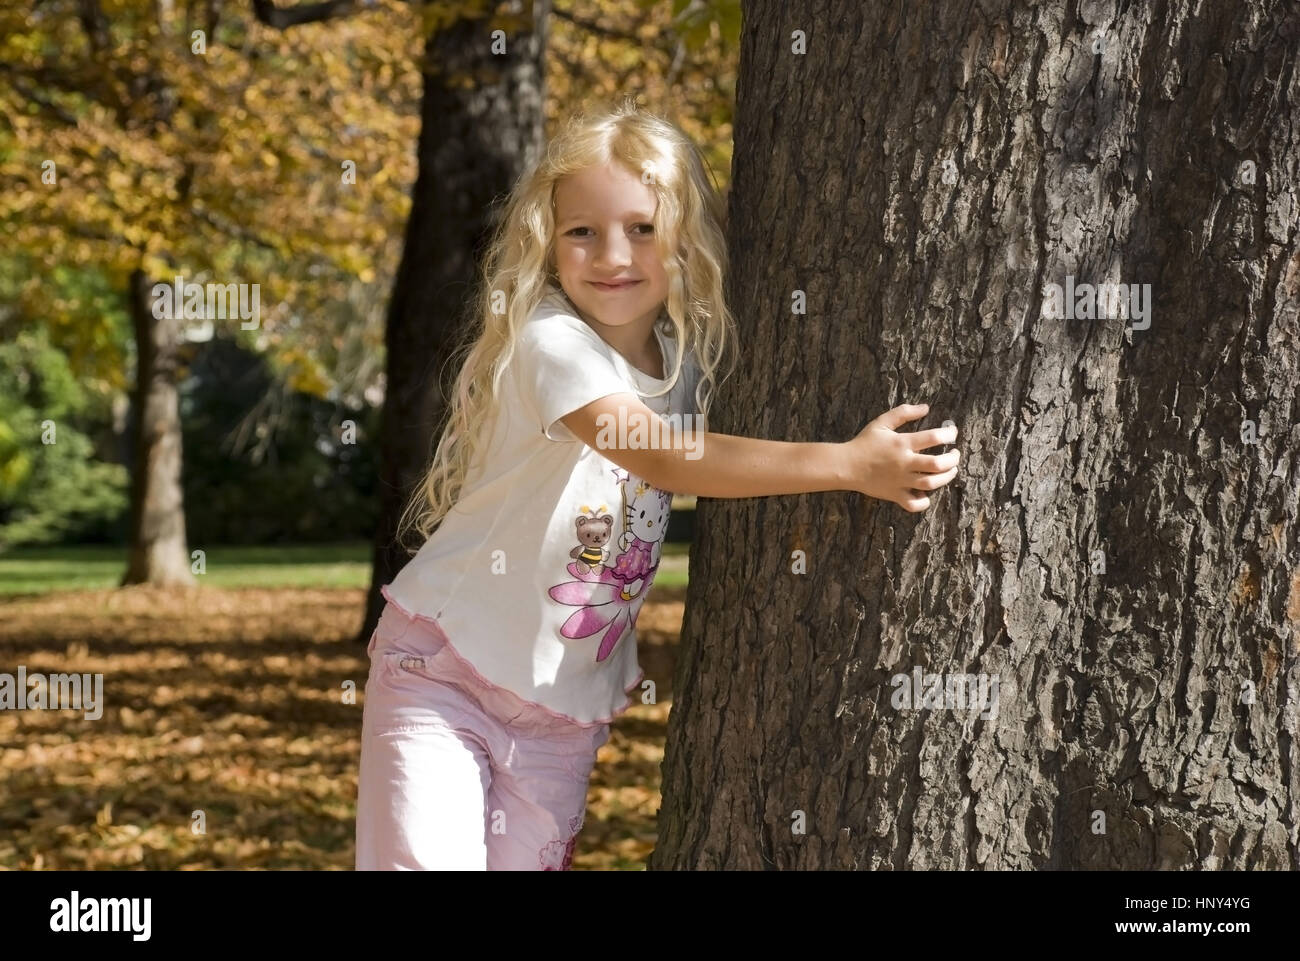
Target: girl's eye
point(649, 229)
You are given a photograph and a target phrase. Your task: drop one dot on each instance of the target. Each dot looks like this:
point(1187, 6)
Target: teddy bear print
point(593, 535)
point(609, 596)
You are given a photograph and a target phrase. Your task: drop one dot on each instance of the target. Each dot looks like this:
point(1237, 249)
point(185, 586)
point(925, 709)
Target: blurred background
point(203, 511)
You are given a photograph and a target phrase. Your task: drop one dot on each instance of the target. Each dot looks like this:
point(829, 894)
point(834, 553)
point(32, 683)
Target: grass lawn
point(38, 570)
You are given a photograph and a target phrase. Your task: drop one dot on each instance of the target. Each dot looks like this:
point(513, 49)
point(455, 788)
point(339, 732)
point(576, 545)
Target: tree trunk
point(158, 553)
point(475, 141)
point(1120, 549)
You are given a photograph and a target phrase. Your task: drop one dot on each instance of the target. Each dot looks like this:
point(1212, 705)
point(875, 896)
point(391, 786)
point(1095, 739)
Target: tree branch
point(231, 229)
point(268, 13)
point(595, 28)
point(38, 98)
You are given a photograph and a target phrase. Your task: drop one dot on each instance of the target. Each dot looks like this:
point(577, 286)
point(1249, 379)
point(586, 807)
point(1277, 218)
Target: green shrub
point(52, 487)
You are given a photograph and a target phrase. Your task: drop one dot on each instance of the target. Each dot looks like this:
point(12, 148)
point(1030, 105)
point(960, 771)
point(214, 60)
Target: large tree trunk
point(1121, 549)
point(158, 552)
point(476, 139)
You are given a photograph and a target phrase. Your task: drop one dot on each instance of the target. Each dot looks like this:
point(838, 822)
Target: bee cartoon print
point(593, 534)
point(609, 596)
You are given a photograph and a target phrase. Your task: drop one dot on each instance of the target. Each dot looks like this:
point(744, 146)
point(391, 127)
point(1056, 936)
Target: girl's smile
point(625, 285)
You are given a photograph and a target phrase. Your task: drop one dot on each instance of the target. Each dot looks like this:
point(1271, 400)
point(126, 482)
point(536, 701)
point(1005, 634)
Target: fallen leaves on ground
point(224, 709)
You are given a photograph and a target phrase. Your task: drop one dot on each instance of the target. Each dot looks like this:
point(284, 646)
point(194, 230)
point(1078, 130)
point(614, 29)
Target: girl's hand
point(887, 465)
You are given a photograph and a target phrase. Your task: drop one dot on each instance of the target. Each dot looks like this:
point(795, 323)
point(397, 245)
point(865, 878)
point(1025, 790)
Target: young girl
point(508, 643)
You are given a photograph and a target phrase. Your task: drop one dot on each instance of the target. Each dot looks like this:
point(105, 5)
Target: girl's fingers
point(900, 415)
point(929, 482)
point(925, 439)
point(912, 502)
point(935, 463)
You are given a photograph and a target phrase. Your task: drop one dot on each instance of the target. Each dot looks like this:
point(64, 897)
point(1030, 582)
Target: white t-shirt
point(538, 572)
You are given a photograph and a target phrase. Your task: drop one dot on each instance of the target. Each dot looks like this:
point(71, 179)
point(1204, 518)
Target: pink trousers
point(459, 774)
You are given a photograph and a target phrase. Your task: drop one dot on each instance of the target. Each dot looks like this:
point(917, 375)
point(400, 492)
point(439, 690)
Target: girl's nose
point(613, 254)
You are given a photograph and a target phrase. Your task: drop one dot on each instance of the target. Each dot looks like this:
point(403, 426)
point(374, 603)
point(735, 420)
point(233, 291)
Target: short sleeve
point(561, 369)
point(693, 375)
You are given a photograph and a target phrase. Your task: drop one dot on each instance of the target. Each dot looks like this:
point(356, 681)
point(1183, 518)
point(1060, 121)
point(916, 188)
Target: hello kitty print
point(611, 580)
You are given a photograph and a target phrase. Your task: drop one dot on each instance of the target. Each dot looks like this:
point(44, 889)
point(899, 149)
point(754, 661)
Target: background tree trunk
point(1117, 551)
point(476, 138)
point(158, 553)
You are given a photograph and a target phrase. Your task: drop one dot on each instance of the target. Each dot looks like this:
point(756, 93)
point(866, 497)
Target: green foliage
point(84, 314)
point(263, 463)
point(52, 487)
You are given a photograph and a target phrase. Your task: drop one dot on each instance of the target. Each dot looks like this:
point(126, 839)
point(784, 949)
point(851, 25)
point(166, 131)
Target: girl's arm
point(878, 462)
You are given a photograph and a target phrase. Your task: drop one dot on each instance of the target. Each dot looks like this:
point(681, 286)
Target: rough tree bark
point(481, 126)
point(158, 553)
point(1121, 551)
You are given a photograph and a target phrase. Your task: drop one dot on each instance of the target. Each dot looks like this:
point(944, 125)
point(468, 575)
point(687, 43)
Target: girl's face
point(604, 232)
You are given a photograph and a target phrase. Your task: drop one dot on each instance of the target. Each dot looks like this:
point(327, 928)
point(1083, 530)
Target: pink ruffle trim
point(510, 695)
